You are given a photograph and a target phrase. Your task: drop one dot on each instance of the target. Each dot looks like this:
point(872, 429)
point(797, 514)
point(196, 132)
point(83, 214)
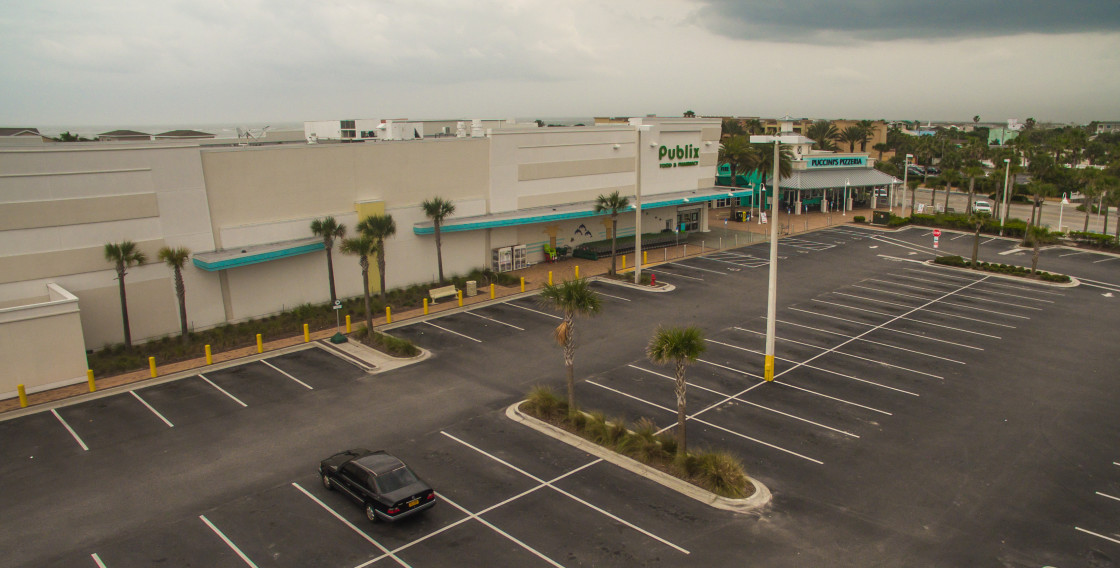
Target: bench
point(445, 292)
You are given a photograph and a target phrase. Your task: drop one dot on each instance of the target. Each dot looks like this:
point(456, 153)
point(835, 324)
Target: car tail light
point(393, 511)
point(431, 495)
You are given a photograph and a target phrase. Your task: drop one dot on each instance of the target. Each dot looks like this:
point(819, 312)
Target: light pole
point(638, 205)
point(1062, 210)
point(772, 293)
point(1003, 207)
point(846, 183)
point(905, 179)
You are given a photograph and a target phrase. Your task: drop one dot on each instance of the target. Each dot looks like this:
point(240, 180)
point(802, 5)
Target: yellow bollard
point(209, 356)
point(459, 295)
point(152, 366)
point(577, 271)
point(425, 306)
point(624, 262)
point(550, 278)
point(492, 296)
point(645, 257)
point(89, 379)
point(260, 340)
point(388, 315)
point(347, 323)
point(306, 334)
point(522, 283)
point(22, 396)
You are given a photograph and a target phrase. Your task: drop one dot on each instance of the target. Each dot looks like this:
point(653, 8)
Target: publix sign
point(678, 156)
point(837, 162)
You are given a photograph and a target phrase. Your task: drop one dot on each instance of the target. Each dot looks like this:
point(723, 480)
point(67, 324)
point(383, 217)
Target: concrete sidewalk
point(723, 234)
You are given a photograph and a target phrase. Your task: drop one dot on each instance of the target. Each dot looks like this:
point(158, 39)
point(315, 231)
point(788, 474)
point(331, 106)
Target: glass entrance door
point(688, 220)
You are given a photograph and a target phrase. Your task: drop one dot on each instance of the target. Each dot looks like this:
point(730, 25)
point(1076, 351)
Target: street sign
point(338, 304)
point(936, 233)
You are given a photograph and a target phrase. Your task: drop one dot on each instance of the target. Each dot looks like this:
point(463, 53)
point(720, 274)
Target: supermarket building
point(245, 211)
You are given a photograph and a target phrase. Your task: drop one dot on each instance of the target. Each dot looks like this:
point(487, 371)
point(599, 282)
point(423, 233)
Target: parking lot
point(919, 415)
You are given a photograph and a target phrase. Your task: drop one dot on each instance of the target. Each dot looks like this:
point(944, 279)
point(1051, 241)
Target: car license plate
point(413, 502)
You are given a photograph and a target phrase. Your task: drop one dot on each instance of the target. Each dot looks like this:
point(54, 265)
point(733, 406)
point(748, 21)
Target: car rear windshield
point(396, 479)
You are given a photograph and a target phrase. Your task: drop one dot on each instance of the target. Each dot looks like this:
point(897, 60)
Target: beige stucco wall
point(41, 344)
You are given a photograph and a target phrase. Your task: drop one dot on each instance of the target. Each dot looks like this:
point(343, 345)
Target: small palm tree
point(123, 255)
point(681, 347)
point(437, 209)
point(689, 114)
point(329, 230)
point(852, 135)
point(571, 298)
point(740, 156)
point(976, 221)
point(176, 258)
point(379, 228)
point(362, 246)
point(824, 135)
point(613, 204)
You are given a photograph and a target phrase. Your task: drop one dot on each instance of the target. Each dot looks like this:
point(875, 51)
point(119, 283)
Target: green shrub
point(722, 474)
point(544, 403)
point(859, 219)
point(392, 345)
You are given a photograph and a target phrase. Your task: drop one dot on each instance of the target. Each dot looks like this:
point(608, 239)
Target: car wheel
point(370, 514)
point(327, 482)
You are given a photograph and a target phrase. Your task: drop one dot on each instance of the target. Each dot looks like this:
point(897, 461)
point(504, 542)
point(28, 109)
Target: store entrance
point(688, 220)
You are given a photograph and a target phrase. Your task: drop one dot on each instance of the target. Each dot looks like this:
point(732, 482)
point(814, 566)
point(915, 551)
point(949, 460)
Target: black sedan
point(379, 482)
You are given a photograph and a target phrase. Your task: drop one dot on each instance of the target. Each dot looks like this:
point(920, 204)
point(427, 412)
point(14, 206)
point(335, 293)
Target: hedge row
point(1094, 239)
point(999, 268)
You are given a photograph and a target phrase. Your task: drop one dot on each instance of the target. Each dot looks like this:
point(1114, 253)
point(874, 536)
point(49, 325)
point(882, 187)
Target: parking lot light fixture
point(905, 185)
point(772, 293)
point(1003, 206)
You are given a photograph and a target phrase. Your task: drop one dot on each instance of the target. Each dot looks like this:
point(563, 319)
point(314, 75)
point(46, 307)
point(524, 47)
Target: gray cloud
point(832, 21)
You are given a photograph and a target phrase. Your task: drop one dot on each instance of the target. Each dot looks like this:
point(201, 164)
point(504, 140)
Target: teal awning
point(574, 210)
point(244, 256)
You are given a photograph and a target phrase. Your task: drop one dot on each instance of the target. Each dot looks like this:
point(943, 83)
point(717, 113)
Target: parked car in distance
point(379, 482)
point(916, 170)
point(980, 206)
point(933, 170)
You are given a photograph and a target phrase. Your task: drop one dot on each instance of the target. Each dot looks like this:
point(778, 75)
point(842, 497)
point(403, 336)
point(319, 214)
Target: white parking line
point(454, 332)
point(360, 532)
point(1110, 539)
point(154, 411)
point(565, 493)
point(615, 297)
point(959, 236)
point(904, 277)
point(97, 559)
point(988, 241)
point(1035, 290)
point(709, 424)
point(884, 324)
point(834, 350)
point(1109, 496)
point(512, 538)
point(904, 318)
point(690, 267)
point(899, 331)
point(221, 390)
point(815, 368)
point(1105, 259)
point(475, 516)
point(226, 540)
point(745, 401)
point(1072, 253)
point(71, 430)
point(676, 275)
point(928, 311)
point(873, 342)
point(532, 310)
point(281, 371)
point(496, 321)
point(955, 305)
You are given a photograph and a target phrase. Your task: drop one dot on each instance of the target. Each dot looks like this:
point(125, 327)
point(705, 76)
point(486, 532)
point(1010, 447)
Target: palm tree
point(176, 258)
point(363, 245)
point(976, 221)
point(740, 156)
point(437, 209)
point(949, 177)
point(880, 148)
point(689, 114)
point(972, 171)
point(765, 164)
point(572, 298)
point(123, 255)
point(612, 203)
point(866, 128)
point(852, 135)
point(1089, 179)
point(680, 346)
point(824, 135)
point(379, 228)
point(329, 230)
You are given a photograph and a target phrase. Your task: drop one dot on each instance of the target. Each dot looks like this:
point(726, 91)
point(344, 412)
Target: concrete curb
point(663, 287)
point(380, 362)
point(1073, 282)
point(759, 499)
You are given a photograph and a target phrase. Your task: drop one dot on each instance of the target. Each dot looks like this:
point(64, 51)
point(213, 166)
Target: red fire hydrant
point(652, 279)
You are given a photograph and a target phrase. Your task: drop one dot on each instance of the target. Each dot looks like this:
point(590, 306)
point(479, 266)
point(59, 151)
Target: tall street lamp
point(1003, 207)
point(772, 293)
point(1065, 200)
point(905, 179)
point(846, 183)
point(638, 203)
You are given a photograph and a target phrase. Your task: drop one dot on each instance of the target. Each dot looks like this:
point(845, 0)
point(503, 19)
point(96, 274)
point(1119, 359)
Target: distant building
point(19, 132)
point(124, 136)
point(183, 135)
point(1107, 127)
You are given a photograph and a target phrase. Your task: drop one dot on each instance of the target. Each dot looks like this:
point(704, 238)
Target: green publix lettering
point(678, 153)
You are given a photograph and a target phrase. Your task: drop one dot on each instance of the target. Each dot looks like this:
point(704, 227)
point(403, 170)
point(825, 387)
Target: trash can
point(740, 215)
point(881, 217)
point(472, 288)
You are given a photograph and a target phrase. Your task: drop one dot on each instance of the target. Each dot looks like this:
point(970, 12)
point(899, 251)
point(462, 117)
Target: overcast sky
point(244, 61)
